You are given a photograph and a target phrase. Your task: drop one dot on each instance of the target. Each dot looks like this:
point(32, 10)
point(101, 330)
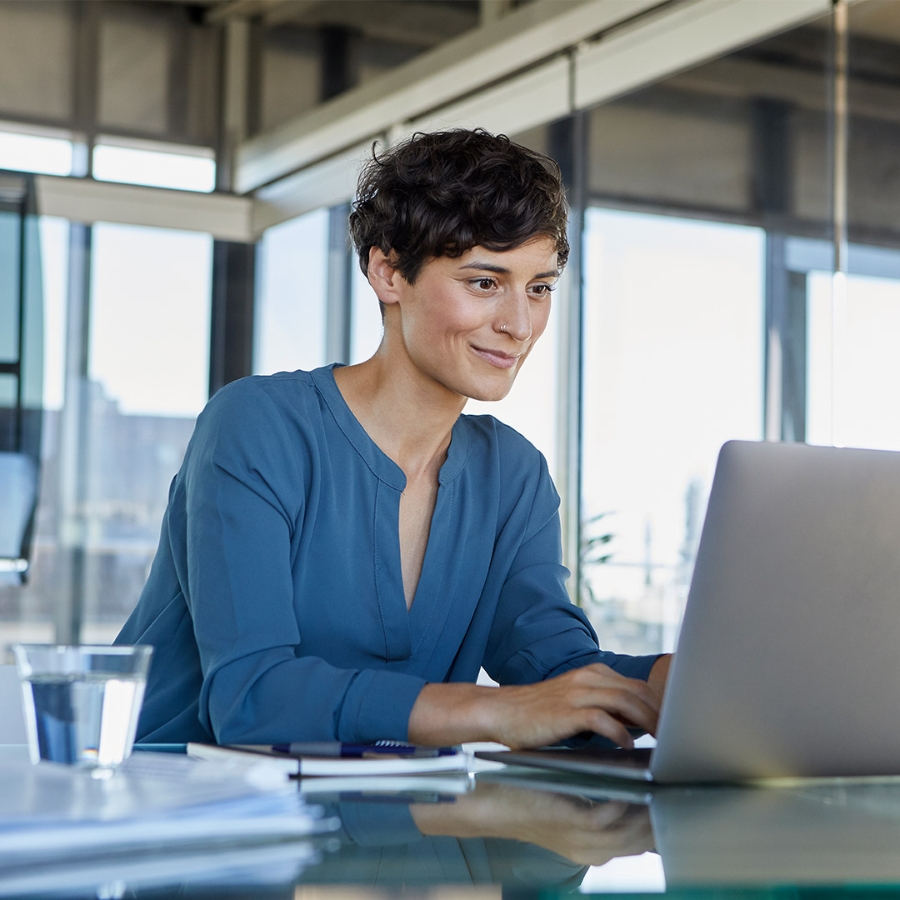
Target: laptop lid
point(788, 659)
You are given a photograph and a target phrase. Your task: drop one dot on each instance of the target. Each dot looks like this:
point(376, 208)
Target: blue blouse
point(275, 602)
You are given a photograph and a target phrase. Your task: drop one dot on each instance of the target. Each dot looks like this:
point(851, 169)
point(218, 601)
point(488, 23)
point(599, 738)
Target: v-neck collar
point(414, 631)
point(379, 463)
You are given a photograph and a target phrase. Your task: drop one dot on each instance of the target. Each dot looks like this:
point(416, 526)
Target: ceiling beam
point(293, 11)
point(532, 34)
point(678, 38)
point(242, 9)
point(746, 78)
point(420, 22)
point(491, 10)
point(224, 216)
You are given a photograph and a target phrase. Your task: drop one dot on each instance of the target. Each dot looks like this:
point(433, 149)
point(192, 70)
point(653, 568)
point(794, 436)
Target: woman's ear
point(384, 277)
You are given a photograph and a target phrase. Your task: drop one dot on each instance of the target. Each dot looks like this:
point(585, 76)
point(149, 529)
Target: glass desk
point(528, 834)
point(513, 833)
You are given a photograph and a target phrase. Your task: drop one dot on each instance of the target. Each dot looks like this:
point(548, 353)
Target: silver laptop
point(788, 660)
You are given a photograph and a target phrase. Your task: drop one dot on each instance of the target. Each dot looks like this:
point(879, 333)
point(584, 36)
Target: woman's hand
point(585, 831)
point(593, 698)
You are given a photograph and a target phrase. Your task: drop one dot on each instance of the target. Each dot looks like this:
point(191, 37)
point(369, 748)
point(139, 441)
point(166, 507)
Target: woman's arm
point(585, 831)
point(242, 509)
point(591, 698)
point(542, 648)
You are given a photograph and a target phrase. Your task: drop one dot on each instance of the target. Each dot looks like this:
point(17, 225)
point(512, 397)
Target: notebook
point(317, 764)
point(788, 660)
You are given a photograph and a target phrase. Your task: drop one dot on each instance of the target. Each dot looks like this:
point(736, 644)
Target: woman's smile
point(497, 357)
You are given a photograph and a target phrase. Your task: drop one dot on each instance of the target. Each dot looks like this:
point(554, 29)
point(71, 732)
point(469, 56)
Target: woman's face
point(469, 323)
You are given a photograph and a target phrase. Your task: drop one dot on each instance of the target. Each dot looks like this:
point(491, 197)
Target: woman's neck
point(411, 422)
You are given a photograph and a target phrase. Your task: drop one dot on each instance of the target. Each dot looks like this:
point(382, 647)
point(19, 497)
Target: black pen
point(339, 749)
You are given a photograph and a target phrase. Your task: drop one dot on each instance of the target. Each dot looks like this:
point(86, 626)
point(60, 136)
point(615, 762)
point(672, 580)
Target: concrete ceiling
point(420, 22)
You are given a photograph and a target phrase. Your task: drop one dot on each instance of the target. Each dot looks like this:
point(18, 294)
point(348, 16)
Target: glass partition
point(365, 316)
point(701, 318)
point(852, 397)
point(10, 234)
point(291, 295)
point(21, 374)
point(673, 369)
point(111, 440)
point(695, 186)
point(148, 368)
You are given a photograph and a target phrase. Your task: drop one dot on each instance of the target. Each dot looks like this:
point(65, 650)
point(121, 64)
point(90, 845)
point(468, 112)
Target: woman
point(343, 550)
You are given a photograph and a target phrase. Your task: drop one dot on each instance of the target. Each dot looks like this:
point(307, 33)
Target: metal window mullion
point(570, 369)
point(338, 321)
point(839, 133)
point(785, 345)
point(74, 439)
point(20, 380)
point(85, 82)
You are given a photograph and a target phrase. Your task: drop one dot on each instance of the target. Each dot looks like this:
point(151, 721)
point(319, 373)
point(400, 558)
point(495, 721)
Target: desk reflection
point(842, 833)
point(825, 834)
point(518, 834)
point(496, 834)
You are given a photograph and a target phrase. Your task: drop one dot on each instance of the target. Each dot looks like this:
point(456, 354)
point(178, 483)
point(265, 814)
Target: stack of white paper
point(159, 819)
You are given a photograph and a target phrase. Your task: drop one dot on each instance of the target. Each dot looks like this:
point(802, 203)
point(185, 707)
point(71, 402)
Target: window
point(149, 340)
point(673, 369)
point(853, 370)
point(365, 317)
point(189, 169)
point(291, 296)
point(24, 152)
point(148, 372)
point(27, 611)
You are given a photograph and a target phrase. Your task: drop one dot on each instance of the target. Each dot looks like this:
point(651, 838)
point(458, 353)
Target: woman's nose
point(515, 319)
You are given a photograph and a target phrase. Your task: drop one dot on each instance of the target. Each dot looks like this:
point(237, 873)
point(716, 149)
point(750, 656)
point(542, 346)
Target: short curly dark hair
point(440, 194)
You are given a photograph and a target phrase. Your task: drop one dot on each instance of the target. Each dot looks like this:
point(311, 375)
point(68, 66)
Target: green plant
point(595, 551)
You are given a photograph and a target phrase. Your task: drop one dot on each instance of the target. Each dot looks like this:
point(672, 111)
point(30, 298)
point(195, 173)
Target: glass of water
point(81, 704)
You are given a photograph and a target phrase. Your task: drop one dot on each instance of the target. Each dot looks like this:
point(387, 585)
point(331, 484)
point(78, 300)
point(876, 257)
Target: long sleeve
point(536, 631)
point(275, 602)
point(236, 529)
point(243, 510)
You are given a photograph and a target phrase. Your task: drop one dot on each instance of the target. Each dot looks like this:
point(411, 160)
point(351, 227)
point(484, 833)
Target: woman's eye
point(484, 284)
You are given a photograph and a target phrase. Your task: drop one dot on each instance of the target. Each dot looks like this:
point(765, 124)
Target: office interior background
point(732, 167)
